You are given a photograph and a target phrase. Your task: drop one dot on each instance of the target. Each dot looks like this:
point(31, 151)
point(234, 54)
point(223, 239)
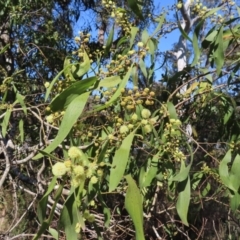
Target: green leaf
point(152, 46)
point(42, 205)
point(143, 68)
point(172, 111)
point(134, 7)
point(206, 190)
point(223, 169)
point(117, 93)
point(20, 99)
point(119, 163)
point(161, 21)
point(145, 36)
point(211, 36)
point(107, 216)
point(71, 115)
point(4, 49)
point(109, 82)
point(238, 9)
point(135, 75)
point(234, 177)
point(196, 35)
point(49, 155)
point(184, 34)
point(53, 232)
point(69, 218)
point(151, 172)
point(109, 42)
point(228, 114)
point(6, 122)
point(121, 41)
point(49, 89)
point(219, 53)
point(184, 200)
point(47, 222)
point(62, 101)
point(134, 31)
point(133, 204)
point(196, 48)
point(21, 130)
point(67, 69)
point(183, 173)
point(79, 69)
point(197, 177)
point(235, 201)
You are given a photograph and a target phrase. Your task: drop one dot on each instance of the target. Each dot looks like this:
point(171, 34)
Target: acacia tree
point(107, 151)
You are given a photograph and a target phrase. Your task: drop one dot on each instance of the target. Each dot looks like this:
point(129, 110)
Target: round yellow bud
point(124, 129)
point(94, 180)
point(59, 169)
point(140, 44)
point(131, 52)
point(110, 137)
point(134, 117)
point(48, 109)
point(68, 163)
point(179, 5)
point(75, 152)
point(78, 170)
point(146, 90)
point(47, 84)
point(147, 128)
point(91, 218)
point(77, 39)
point(152, 94)
point(50, 118)
point(144, 121)
point(145, 113)
point(130, 126)
point(100, 172)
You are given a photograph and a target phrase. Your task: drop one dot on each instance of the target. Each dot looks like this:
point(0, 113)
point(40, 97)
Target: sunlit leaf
point(71, 115)
point(79, 69)
point(117, 93)
point(70, 217)
point(62, 101)
point(119, 163)
point(109, 82)
point(145, 36)
point(172, 111)
point(184, 200)
point(42, 205)
point(53, 232)
point(235, 201)
point(20, 99)
point(109, 41)
point(134, 7)
point(234, 176)
point(219, 53)
point(223, 168)
point(21, 130)
point(151, 172)
point(6, 121)
point(143, 68)
point(134, 31)
point(160, 23)
point(133, 204)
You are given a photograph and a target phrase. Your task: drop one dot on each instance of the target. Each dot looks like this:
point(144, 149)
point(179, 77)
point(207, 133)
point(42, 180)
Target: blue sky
point(166, 42)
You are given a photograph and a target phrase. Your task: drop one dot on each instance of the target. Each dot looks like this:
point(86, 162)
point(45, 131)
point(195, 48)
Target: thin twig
point(7, 168)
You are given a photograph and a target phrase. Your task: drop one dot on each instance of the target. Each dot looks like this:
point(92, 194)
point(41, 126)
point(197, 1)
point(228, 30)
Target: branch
point(185, 10)
point(7, 168)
